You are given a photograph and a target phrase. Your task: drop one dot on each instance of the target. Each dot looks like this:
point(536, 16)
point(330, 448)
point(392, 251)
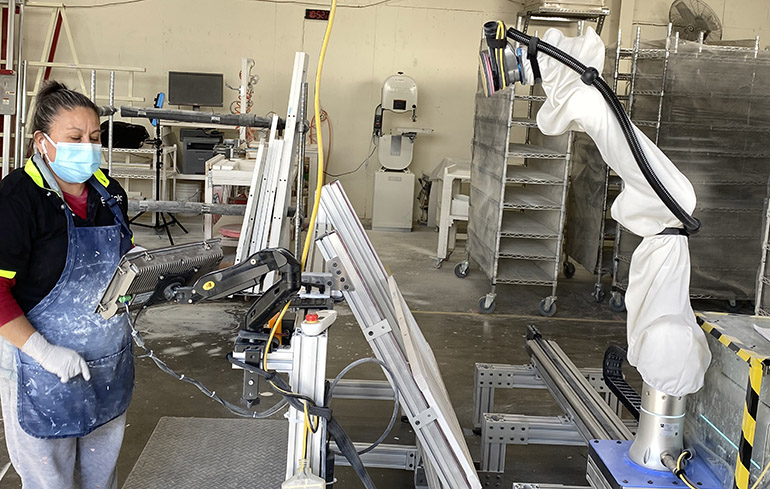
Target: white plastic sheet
point(664, 342)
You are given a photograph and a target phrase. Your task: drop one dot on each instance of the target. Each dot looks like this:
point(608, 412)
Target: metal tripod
point(160, 222)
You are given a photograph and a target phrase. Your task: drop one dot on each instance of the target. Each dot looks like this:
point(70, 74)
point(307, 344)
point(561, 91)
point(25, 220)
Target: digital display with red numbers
point(316, 14)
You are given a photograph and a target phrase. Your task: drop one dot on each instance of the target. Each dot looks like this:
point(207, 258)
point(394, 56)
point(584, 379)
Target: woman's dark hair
point(52, 98)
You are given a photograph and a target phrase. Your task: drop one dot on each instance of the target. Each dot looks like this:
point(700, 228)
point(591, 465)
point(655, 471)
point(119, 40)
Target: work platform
point(201, 453)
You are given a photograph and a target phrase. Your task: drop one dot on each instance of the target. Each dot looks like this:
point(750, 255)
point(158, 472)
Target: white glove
point(58, 360)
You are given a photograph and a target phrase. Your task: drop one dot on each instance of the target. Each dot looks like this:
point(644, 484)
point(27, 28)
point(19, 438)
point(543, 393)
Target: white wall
point(435, 42)
point(741, 19)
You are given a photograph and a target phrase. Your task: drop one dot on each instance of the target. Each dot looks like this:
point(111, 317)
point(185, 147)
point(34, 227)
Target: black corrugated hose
point(590, 76)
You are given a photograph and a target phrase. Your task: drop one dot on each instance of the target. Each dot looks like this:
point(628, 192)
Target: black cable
point(297, 401)
point(396, 403)
point(277, 383)
point(233, 408)
point(590, 77)
point(374, 147)
point(332, 425)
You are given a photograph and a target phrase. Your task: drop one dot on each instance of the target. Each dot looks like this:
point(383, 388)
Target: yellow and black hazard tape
point(757, 366)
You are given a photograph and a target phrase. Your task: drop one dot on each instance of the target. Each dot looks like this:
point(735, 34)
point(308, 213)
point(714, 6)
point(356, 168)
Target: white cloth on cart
point(664, 342)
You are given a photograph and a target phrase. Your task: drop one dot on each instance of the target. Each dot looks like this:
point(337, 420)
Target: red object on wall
point(52, 53)
point(317, 14)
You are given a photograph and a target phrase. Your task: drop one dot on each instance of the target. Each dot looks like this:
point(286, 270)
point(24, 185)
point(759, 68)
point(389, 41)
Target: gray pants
point(66, 463)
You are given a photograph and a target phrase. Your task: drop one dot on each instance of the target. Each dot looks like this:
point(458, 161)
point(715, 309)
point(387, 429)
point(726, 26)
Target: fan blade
point(686, 15)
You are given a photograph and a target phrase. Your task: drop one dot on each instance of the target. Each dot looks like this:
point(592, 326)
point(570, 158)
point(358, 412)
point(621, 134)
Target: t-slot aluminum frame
point(388, 326)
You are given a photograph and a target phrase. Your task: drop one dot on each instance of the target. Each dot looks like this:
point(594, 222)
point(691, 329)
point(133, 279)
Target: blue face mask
point(75, 162)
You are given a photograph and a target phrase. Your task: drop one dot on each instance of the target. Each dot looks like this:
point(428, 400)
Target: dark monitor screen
point(198, 89)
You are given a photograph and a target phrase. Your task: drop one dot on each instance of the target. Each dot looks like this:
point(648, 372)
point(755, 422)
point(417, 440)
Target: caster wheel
point(437, 263)
point(545, 310)
point(733, 306)
point(617, 303)
point(598, 294)
point(461, 270)
point(569, 269)
point(484, 308)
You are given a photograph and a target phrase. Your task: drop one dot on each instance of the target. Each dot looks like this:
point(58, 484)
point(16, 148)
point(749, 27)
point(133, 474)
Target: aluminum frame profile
point(573, 392)
point(500, 430)
point(278, 233)
point(537, 485)
point(250, 215)
point(349, 251)
point(385, 456)
point(307, 377)
point(258, 239)
point(490, 376)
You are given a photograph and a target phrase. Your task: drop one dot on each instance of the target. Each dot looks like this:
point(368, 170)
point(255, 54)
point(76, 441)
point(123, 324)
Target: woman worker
point(66, 374)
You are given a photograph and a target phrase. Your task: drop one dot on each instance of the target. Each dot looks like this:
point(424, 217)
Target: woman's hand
point(61, 361)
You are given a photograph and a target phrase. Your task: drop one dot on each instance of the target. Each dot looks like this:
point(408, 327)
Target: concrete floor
point(195, 339)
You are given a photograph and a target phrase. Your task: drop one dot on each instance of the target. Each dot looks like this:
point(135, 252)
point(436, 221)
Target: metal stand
point(590, 411)
point(160, 217)
point(305, 362)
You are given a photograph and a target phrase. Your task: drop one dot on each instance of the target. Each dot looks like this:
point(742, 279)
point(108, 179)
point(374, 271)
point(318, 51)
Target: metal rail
point(593, 417)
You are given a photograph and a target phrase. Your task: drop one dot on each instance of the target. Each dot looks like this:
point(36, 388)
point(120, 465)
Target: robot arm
point(186, 274)
point(664, 342)
point(504, 65)
point(245, 275)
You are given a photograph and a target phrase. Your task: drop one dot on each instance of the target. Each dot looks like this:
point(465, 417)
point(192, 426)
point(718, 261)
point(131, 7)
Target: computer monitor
point(196, 89)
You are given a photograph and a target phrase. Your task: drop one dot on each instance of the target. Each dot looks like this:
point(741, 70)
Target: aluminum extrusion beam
point(400, 457)
point(516, 429)
point(372, 390)
point(592, 415)
point(367, 290)
point(491, 376)
point(523, 485)
point(500, 430)
point(185, 207)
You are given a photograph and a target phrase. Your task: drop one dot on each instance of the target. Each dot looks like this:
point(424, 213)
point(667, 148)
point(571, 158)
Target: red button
point(311, 318)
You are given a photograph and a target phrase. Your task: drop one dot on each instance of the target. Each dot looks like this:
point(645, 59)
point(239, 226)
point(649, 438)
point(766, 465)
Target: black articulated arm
point(245, 275)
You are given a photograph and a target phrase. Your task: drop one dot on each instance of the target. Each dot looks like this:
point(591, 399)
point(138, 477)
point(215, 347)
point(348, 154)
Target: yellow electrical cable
point(317, 107)
point(314, 215)
point(500, 51)
point(680, 473)
point(305, 433)
point(320, 180)
point(761, 476)
point(313, 218)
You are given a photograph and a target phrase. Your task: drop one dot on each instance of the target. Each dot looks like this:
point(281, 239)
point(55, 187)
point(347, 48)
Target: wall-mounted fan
point(691, 17)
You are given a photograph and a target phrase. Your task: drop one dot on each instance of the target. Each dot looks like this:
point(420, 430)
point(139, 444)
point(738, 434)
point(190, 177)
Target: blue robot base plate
point(610, 468)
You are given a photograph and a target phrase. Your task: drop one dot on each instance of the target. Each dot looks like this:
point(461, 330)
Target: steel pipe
point(247, 120)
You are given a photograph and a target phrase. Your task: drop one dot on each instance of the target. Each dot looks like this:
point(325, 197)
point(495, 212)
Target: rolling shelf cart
point(714, 128)
point(591, 231)
point(519, 189)
point(548, 11)
point(518, 195)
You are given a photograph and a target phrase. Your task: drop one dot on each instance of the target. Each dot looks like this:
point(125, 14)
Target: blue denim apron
point(48, 408)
